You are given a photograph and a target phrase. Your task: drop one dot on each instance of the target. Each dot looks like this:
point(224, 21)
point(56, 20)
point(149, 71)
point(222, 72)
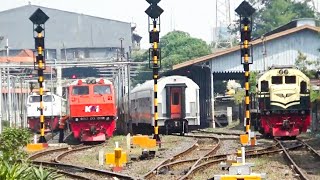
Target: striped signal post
point(245, 10)
point(236, 164)
point(154, 12)
point(38, 19)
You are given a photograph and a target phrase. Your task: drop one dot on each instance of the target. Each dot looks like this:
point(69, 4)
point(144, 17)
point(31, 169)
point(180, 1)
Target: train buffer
point(144, 141)
point(117, 158)
point(238, 168)
point(36, 146)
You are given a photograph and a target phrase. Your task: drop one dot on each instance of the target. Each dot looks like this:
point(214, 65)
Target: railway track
point(180, 163)
point(305, 160)
point(52, 158)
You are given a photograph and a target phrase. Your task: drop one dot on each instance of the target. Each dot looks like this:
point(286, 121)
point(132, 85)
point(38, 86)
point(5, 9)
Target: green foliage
point(275, 13)
point(23, 171)
point(179, 46)
point(302, 64)
point(12, 142)
point(253, 81)
point(43, 174)
point(239, 96)
point(314, 95)
point(176, 47)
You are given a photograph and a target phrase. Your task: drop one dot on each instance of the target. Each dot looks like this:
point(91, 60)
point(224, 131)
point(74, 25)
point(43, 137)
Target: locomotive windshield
point(46, 98)
point(102, 89)
point(80, 90)
point(276, 80)
point(290, 79)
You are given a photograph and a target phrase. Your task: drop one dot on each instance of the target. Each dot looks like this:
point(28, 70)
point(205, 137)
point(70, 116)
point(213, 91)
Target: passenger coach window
point(48, 98)
point(34, 99)
point(290, 79)
point(80, 90)
point(102, 89)
point(276, 80)
point(175, 99)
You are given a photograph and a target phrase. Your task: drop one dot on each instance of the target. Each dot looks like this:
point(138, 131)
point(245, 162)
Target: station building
point(278, 47)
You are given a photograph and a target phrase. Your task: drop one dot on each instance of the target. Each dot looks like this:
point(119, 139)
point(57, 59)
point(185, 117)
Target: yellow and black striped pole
point(155, 78)
point(245, 10)
point(41, 67)
point(38, 19)
point(154, 12)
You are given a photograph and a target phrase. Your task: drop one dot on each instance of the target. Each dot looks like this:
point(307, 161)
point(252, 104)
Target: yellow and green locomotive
point(283, 102)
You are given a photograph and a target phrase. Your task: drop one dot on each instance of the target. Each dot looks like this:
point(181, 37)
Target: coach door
point(175, 95)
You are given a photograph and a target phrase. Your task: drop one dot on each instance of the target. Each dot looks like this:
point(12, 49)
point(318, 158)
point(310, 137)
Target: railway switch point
point(238, 168)
point(116, 159)
point(36, 146)
point(144, 141)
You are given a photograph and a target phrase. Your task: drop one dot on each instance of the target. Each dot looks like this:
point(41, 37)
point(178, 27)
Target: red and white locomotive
point(283, 95)
point(92, 109)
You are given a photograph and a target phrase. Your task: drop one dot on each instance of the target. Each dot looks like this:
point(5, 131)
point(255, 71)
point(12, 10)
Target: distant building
point(68, 35)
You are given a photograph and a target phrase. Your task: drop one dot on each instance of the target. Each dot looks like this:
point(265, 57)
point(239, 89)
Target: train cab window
point(264, 86)
point(290, 79)
point(48, 98)
point(175, 99)
point(276, 80)
point(102, 89)
point(34, 99)
point(80, 90)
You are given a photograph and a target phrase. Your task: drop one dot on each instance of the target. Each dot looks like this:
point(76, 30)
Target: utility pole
point(8, 86)
point(1, 100)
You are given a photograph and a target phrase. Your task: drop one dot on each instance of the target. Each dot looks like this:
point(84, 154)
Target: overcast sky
point(196, 17)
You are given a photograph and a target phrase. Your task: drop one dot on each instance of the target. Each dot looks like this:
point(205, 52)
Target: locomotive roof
point(148, 85)
point(75, 82)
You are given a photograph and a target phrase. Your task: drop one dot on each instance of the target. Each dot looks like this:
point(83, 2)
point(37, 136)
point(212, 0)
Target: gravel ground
point(274, 166)
point(171, 145)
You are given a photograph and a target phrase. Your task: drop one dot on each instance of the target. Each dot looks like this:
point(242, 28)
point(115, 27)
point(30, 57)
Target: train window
point(264, 86)
point(303, 87)
point(80, 90)
point(175, 99)
point(290, 79)
point(34, 99)
point(48, 98)
point(102, 89)
point(276, 80)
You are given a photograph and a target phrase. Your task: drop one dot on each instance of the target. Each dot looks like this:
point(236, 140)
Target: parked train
point(283, 97)
point(92, 109)
point(54, 110)
point(178, 105)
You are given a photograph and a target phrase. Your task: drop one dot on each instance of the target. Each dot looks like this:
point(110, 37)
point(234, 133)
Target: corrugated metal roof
point(63, 29)
point(237, 48)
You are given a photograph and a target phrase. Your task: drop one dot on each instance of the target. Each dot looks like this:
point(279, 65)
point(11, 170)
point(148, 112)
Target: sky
point(197, 17)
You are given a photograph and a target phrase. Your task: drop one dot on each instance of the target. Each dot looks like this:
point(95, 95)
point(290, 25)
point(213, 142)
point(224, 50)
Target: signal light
point(74, 76)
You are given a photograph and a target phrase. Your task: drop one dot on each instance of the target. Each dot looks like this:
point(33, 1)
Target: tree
point(176, 47)
point(179, 46)
point(271, 14)
point(302, 64)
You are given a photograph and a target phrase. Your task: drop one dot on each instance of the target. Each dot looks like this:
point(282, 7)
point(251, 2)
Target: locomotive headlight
point(77, 119)
point(280, 71)
point(285, 71)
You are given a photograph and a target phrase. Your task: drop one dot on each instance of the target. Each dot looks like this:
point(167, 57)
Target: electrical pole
point(154, 12)
point(38, 19)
